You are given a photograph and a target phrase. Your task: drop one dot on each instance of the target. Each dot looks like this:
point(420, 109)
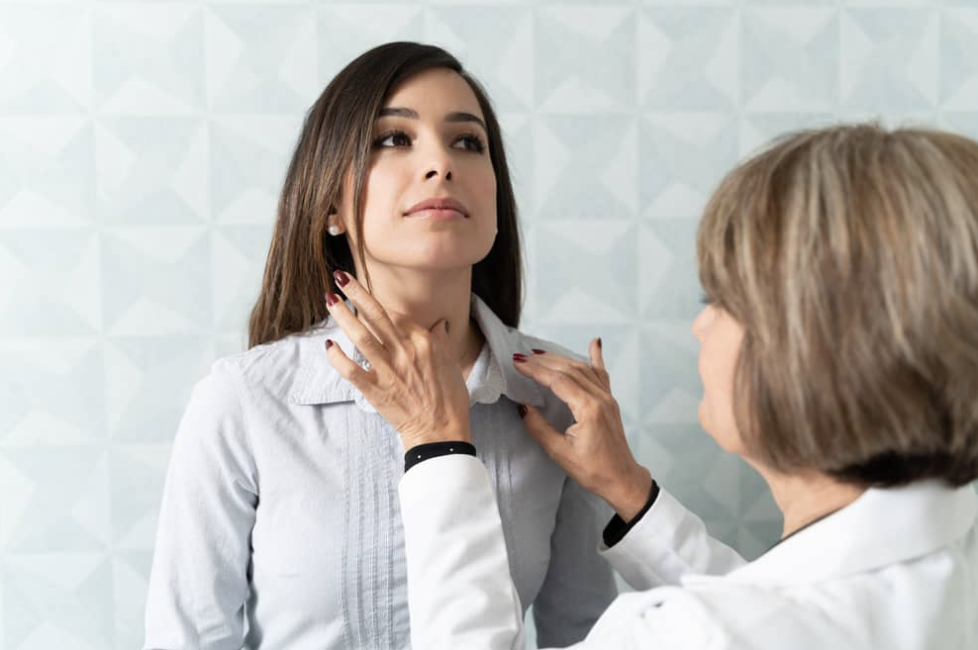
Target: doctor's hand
point(412, 382)
point(593, 451)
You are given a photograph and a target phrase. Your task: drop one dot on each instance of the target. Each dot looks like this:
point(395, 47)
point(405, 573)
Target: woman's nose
point(439, 165)
point(434, 172)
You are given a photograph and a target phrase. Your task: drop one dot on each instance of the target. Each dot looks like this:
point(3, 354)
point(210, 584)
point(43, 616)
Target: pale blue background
point(142, 146)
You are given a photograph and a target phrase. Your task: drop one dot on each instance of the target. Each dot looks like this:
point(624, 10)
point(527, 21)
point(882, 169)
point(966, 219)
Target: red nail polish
point(329, 343)
point(519, 358)
point(341, 278)
point(538, 351)
point(599, 341)
point(332, 299)
point(522, 410)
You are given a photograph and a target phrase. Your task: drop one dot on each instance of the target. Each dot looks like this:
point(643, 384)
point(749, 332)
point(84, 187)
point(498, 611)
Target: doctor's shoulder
point(723, 617)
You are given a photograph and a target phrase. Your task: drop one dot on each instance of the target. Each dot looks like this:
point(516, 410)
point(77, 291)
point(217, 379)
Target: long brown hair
point(850, 257)
point(335, 139)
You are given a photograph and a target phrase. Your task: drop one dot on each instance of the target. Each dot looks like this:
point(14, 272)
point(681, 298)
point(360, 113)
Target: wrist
point(458, 433)
point(630, 495)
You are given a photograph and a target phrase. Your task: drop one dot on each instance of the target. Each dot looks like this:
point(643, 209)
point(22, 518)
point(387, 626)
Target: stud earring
point(333, 230)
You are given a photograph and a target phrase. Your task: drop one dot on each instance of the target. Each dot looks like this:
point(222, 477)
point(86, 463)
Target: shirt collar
point(492, 375)
point(881, 527)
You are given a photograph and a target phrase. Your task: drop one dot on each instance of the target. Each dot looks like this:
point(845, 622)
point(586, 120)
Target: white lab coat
point(897, 569)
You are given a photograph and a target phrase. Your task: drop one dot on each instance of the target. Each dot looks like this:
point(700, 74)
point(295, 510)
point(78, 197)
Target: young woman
point(280, 524)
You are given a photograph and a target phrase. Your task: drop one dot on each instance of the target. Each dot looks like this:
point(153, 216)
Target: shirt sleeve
point(198, 585)
point(579, 584)
point(667, 543)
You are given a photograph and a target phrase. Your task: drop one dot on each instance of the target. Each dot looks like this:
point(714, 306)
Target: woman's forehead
point(434, 93)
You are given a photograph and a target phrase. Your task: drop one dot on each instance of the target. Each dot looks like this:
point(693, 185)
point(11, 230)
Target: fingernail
point(538, 351)
point(522, 410)
point(329, 343)
point(331, 299)
point(341, 278)
point(519, 358)
point(599, 341)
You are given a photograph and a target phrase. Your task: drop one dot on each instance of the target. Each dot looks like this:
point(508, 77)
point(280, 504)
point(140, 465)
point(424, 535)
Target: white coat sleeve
point(669, 542)
point(198, 584)
point(460, 593)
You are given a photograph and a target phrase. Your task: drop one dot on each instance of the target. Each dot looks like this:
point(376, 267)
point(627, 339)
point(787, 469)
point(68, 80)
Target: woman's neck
point(426, 297)
point(805, 497)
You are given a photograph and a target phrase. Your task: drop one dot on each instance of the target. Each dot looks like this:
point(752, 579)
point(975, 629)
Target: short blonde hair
point(850, 256)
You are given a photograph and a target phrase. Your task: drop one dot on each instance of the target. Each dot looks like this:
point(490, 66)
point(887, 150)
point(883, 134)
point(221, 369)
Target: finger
point(596, 354)
point(441, 325)
point(584, 373)
point(566, 387)
point(552, 441)
point(362, 338)
point(372, 312)
point(439, 331)
point(362, 379)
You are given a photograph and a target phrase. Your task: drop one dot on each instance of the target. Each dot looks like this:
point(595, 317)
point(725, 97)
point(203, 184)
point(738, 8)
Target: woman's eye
point(396, 139)
point(470, 142)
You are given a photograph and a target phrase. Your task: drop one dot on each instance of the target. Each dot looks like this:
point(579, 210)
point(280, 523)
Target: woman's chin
point(440, 256)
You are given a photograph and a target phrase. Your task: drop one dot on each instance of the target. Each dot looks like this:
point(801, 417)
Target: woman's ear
point(334, 226)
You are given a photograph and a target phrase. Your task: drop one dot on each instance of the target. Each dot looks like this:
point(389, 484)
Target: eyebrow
point(457, 116)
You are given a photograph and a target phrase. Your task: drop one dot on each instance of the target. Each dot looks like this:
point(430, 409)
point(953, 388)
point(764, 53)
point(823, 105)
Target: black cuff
point(418, 453)
point(616, 529)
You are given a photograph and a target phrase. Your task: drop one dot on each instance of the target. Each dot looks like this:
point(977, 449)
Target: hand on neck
point(426, 297)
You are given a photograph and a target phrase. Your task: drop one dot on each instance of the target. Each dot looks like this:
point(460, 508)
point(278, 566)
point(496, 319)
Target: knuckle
point(591, 410)
point(363, 340)
point(423, 343)
point(373, 312)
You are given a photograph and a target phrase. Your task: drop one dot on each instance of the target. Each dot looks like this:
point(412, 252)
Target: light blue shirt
point(280, 526)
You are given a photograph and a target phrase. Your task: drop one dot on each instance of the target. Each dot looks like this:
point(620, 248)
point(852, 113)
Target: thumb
point(439, 334)
point(540, 430)
point(440, 330)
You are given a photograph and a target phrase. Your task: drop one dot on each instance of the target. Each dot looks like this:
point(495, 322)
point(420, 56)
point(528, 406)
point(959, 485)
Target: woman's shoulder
point(271, 368)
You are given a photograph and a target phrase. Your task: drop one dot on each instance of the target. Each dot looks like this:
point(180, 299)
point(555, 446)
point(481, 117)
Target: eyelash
point(476, 143)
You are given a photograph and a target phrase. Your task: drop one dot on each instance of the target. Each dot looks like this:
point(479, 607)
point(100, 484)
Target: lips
point(437, 208)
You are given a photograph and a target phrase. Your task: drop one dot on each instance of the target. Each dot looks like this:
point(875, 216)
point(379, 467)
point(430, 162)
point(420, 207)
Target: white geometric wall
point(142, 148)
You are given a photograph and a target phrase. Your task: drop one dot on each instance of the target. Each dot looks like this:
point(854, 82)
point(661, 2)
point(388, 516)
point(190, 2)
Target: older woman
point(839, 357)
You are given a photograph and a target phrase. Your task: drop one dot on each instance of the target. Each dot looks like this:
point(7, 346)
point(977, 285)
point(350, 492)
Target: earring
point(333, 230)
